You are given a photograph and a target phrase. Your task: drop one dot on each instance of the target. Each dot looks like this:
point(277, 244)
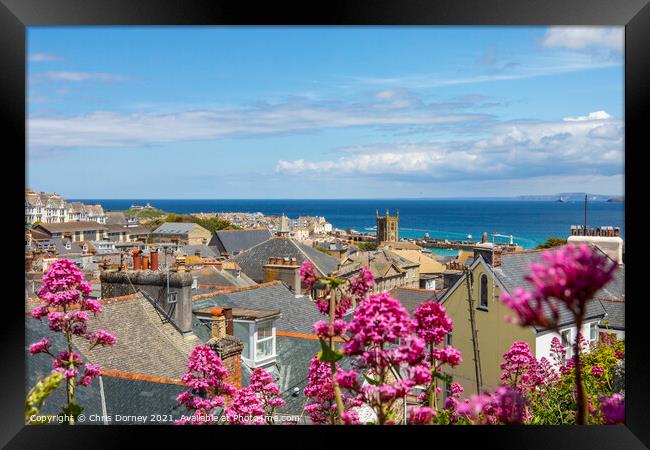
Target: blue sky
point(324, 112)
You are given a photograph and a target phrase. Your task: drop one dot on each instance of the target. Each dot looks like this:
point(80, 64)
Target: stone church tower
point(387, 227)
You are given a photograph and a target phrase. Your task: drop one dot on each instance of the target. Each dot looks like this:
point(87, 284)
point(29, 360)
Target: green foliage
point(552, 242)
point(36, 397)
point(555, 404)
point(366, 246)
point(327, 354)
point(213, 224)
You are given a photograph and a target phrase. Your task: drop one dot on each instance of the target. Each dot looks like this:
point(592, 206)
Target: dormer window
point(258, 338)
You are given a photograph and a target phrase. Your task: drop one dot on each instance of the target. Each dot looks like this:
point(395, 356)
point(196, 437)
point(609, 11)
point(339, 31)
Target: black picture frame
point(16, 15)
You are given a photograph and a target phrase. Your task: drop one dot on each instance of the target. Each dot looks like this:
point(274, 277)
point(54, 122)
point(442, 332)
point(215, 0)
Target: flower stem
point(335, 385)
point(580, 387)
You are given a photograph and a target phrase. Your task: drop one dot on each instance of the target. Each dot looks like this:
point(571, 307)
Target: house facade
point(489, 277)
point(184, 233)
point(52, 208)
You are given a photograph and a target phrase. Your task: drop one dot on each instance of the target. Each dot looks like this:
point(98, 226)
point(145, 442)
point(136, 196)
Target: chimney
point(597, 231)
point(180, 264)
point(229, 349)
point(484, 238)
point(617, 232)
point(218, 323)
point(154, 259)
point(145, 262)
point(137, 261)
point(610, 243)
point(177, 305)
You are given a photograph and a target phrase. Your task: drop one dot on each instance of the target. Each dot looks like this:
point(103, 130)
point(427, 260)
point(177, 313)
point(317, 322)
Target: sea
point(529, 222)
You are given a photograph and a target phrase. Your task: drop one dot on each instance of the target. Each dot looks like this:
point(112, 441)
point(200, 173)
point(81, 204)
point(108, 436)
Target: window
point(448, 387)
point(265, 344)
point(566, 342)
point(483, 298)
point(241, 331)
point(448, 339)
point(593, 331)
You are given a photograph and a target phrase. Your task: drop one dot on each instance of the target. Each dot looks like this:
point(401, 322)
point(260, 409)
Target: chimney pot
point(617, 232)
point(230, 329)
point(137, 261)
point(154, 259)
point(484, 239)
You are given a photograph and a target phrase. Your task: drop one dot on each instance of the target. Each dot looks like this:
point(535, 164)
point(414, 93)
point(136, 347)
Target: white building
point(52, 208)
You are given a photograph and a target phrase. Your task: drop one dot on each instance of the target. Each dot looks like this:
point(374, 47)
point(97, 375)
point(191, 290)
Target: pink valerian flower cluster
point(206, 378)
point(42, 346)
point(521, 370)
point(432, 323)
point(613, 409)
point(308, 274)
point(245, 409)
point(382, 341)
point(361, 284)
point(322, 328)
point(64, 287)
point(597, 371)
point(505, 405)
point(321, 405)
point(267, 392)
point(571, 276)
point(421, 415)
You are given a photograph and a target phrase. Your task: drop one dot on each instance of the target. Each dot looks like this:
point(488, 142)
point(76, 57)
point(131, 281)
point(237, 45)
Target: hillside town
point(167, 288)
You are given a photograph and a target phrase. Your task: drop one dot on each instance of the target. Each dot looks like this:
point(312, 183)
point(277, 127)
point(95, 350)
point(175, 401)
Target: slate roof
point(116, 218)
point(204, 251)
point(59, 245)
point(71, 226)
point(515, 266)
point(411, 298)
point(253, 260)
point(298, 314)
point(122, 396)
point(210, 275)
point(145, 345)
point(177, 228)
point(235, 241)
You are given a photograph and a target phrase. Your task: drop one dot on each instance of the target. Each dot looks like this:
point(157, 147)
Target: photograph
point(325, 225)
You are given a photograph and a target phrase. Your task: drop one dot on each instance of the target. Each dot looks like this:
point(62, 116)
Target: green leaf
point(72, 410)
point(371, 380)
point(327, 354)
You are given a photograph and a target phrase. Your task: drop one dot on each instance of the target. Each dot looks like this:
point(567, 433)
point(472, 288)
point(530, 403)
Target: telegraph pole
point(477, 357)
point(585, 228)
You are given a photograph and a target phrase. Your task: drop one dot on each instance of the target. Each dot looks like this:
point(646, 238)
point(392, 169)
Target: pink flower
point(613, 409)
point(40, 311)
point(92, 305)
point(619, 355)
point(422, 415)
point(351, 417)
point(597, 371)
point(571, 276)
point(448, 355)
point(520, 367)
point(360, 285)
point(41, 346)
point(246, 409)
point(431, 322)
point(102, 337)
point(266, 390)
point(456, 390)
point(308, 274)
point(347, 379)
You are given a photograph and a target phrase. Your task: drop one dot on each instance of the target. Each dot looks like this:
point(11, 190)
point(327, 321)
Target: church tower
point(387, 227)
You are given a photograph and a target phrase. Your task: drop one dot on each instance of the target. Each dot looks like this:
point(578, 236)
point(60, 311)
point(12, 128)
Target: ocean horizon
point(530, 222)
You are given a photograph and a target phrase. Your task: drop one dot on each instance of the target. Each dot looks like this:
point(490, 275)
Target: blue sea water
point(529, 222)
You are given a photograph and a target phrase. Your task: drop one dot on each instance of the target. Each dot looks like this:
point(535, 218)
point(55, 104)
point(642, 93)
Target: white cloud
point(596, 115)
point(514, 150)
point(79, 76)
point(106, 129)
point(42, 57)
point(586, 37)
